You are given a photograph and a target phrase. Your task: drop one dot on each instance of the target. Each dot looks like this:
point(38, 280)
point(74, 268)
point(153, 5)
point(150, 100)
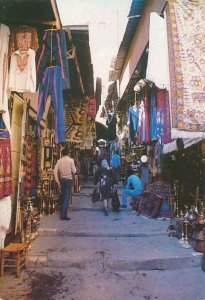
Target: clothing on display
point(22, 38)
point(91, 109)
point(163, 119)
point(4, 38)
point(53, 52)
point(133, 121)
point(22, 73)
point(51, 84)
point(111, 123)
point(5, 168)
point(153, 116)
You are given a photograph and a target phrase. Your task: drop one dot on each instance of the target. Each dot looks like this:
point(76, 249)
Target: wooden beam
point(56, 14)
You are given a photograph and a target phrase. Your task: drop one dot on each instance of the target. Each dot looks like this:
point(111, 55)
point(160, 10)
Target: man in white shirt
point(63, 174)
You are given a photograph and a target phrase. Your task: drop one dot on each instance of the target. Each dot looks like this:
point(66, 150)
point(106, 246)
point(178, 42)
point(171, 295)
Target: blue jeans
point(66, 185)
point(52, 85)
point(126, 192)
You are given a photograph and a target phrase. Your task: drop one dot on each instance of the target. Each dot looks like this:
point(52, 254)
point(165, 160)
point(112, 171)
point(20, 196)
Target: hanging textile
point(186, 42)
point(163, 119)
point(133, 121)
point(5, 168)
point(22, 73)
point(153, 115)
point(111, 123)
point(75, 121)
point(53, 51)
point(91, 109)
point(51, 84)
point(23, 38)
point(157, 65)
point(4, 38)
point(146, 121)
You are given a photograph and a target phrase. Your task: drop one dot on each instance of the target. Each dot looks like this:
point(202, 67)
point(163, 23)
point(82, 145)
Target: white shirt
point(64, 168)
point(22, 74)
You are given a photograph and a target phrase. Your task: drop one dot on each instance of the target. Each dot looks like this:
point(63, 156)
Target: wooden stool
point(15, 255)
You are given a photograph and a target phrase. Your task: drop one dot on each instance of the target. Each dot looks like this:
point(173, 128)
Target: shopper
point(133, 187)
point(106, 181)
point(96, 160)
point(115, 164)
point(63, 174)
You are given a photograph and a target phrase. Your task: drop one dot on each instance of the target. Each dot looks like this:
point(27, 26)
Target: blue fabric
point(66, 185)
point(52, 85)
point(115, 161)
point(134, 182)
point(54, 43)
point(153, 116)
point(133, 119)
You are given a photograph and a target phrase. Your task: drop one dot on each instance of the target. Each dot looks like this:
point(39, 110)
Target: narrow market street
point(120, 256)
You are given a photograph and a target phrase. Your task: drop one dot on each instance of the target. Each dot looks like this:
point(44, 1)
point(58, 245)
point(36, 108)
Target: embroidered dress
point(22, 75)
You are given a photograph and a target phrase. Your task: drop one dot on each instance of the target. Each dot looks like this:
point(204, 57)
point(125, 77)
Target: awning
point(30, 12)
point(112, 97)
point(172, 146)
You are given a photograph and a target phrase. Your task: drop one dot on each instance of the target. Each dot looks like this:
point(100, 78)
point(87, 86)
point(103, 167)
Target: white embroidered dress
point(22, 74)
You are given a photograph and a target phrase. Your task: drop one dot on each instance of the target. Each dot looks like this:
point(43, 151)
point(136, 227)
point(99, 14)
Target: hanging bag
point(115, 201)
point(95, 196)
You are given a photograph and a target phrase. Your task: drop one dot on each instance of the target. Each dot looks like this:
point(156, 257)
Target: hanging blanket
point(75, 121)
point(186, 44)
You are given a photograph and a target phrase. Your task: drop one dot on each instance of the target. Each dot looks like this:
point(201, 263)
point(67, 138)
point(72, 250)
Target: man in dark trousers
point(63, 174)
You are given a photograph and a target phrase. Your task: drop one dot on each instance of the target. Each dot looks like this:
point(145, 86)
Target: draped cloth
point(75, 121)
point(186, 44)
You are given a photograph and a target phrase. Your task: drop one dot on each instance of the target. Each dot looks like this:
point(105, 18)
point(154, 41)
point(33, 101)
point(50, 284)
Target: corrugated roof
point(136, 10)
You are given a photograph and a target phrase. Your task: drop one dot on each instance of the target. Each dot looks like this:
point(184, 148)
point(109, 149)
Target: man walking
point(63, 174)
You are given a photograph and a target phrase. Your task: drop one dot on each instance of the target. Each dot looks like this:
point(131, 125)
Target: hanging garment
point(4, 38)
point(5, 168)
point(157, 65)
point(91, 109)
point(23, 38)
point(51, 84)
point(146, 121)
point(163, 117)
point(22, 74)
point(53, 50)
point(111, 124)
point(153, 116)
point(133, 121)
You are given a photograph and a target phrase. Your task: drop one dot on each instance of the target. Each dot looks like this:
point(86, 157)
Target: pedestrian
point(133, 187)
point(96, 159)
point(116, 164)
point(63, 174)
point(106, 181)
